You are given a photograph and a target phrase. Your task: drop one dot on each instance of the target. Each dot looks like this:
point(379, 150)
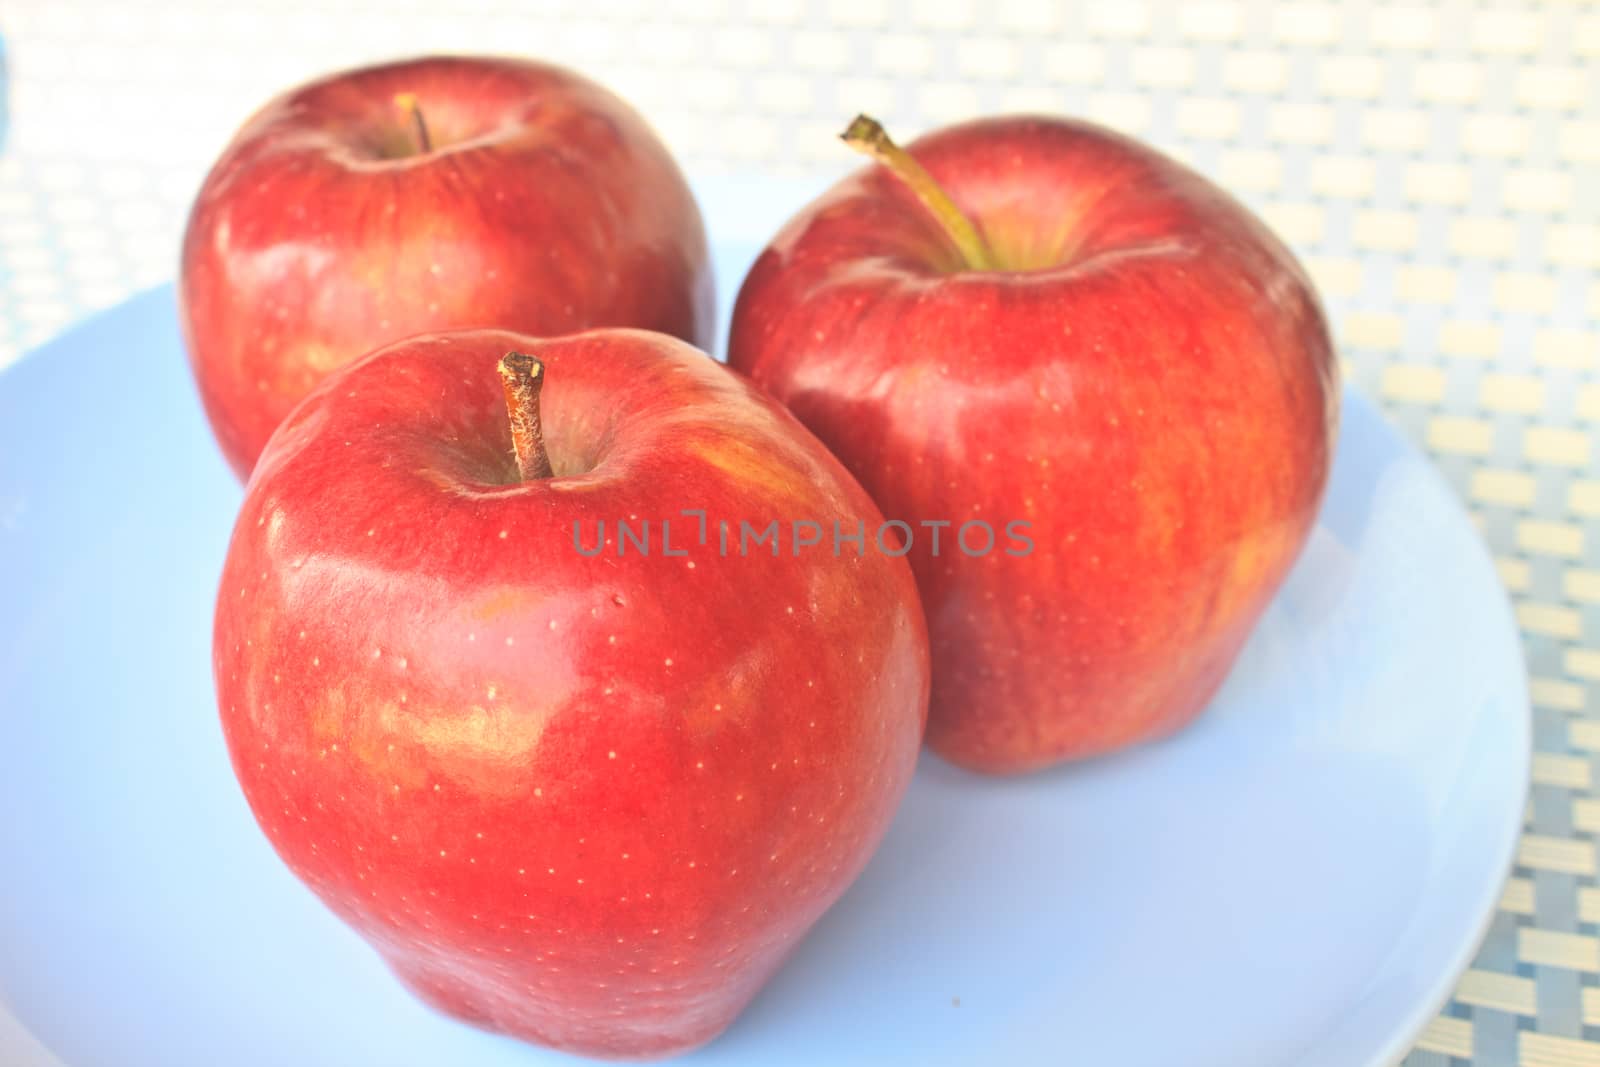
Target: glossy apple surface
point(544, 204)
point(1143, 374)
point(590, 801)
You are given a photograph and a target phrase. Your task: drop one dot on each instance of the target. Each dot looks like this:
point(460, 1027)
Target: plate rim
point(1442, 989)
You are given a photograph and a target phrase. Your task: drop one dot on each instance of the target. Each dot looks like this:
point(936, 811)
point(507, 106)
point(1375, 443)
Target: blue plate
point(1296, 879)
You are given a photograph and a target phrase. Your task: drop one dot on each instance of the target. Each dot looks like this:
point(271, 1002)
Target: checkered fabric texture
point(1435, 166)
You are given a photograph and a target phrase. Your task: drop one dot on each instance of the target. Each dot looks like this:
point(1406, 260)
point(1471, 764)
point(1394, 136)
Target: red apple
point(426, 195)
point(583, 795)
point(1035, 320)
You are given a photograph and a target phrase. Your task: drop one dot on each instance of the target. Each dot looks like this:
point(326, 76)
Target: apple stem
point(407, 102)
point(522, 376)
point(867, 135)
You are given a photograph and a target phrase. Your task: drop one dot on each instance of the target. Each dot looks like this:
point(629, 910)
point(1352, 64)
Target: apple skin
point(1148, 381)
point(588, 802)
point(547, 206)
